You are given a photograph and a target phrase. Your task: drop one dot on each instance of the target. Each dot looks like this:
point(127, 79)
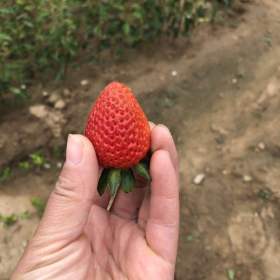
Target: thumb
point(70, 202)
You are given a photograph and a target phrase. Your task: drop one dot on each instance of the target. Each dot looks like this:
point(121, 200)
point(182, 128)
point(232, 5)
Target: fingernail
point(74, 150)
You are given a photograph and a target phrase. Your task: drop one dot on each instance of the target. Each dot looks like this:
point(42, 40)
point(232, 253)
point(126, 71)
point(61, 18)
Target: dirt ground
point(219, 92)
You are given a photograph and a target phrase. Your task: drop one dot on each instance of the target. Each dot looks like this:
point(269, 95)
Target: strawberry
point(120, 134)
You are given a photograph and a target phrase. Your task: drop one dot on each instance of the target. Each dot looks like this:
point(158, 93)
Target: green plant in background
point(265, 194)
point(8, 220)
point(231, 274)
point(37, 159)
point(5, 174)
point(26, 215)
point(24, 165)
point(39, 204)
point(37, 36)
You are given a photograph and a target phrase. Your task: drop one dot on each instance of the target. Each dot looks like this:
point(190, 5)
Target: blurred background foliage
point(37, 36)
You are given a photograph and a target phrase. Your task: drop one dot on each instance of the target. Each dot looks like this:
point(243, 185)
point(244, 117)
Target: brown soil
point(220, 94)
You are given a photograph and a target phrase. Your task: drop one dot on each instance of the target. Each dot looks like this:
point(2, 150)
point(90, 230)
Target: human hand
point(78, 238)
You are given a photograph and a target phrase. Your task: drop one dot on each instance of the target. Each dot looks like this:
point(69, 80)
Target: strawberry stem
point(114, 181)
point(112, 199)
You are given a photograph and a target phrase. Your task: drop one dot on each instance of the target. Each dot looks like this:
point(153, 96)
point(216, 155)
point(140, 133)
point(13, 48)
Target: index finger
point(162, 228)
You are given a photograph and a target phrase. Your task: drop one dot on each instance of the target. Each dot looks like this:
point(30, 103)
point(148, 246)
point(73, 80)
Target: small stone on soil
point(272, 88)
point(58, 165)
point(84, 83)
point(261, 145)
point(225, 172)
point(174, 73)
point(47, 165)
point(45, 93)
point(247, 178)
point(198, 179)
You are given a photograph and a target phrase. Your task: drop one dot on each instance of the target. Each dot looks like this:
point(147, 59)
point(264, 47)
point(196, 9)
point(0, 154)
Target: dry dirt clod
point(269, 93)
point(54, 119)
point(267, 212)
point(54, 97)
point(66, 92)
point(247, 235)
point(198, 179)
point(217, 129)
point(59, 104)
point(40, 111)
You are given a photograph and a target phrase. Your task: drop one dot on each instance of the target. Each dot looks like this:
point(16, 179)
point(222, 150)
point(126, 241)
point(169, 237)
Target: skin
point(78, 238)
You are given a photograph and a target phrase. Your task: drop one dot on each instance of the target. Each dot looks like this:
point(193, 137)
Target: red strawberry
point(120, 133)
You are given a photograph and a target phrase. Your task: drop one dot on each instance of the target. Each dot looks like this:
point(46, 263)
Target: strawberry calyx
point(113, 179)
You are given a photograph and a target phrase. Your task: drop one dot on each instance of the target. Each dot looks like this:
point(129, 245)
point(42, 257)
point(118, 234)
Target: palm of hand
point(116, 248)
